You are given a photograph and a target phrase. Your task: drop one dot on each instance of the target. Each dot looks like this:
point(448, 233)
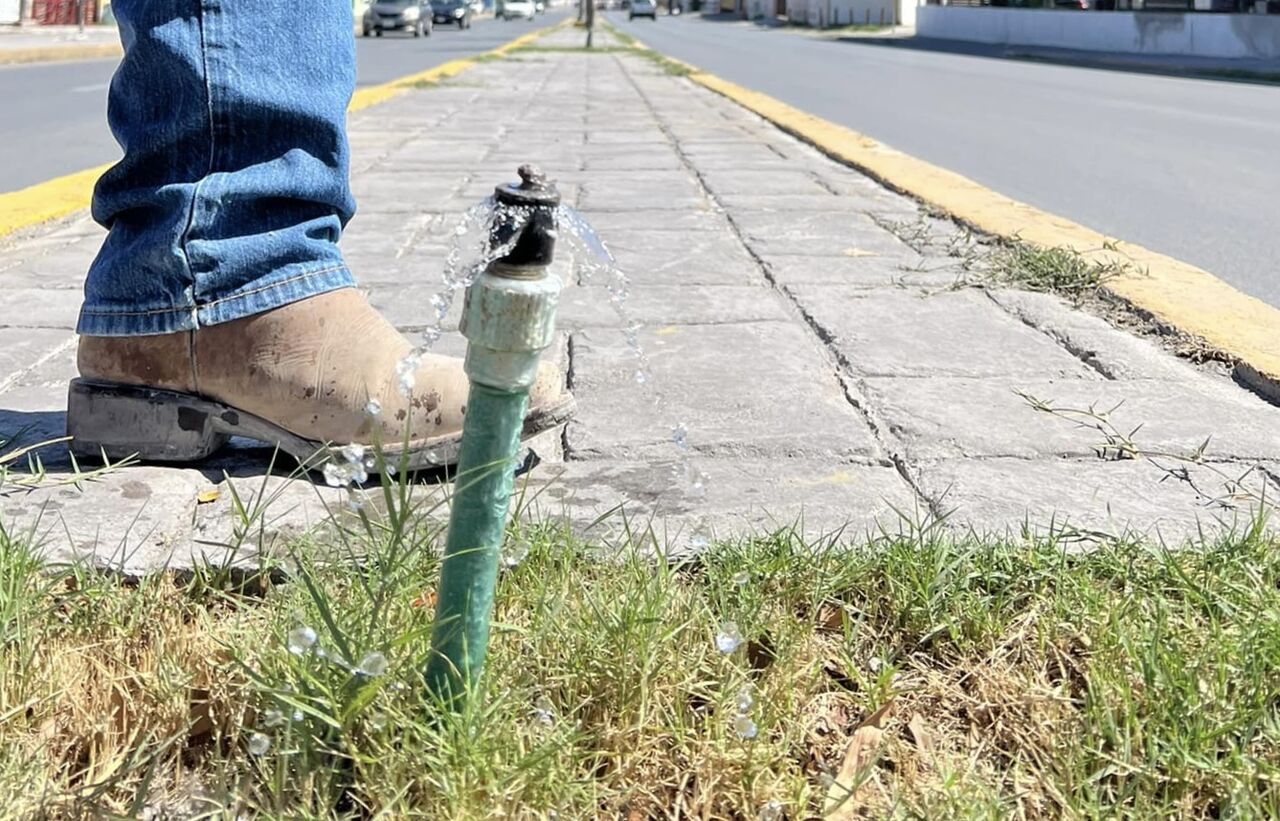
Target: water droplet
point(728, 639)
point(373, 664)
point(680, 435)
point(874, 664)
point(272, 718)
point(389, 469)
point(770, 812)
point(544, 711)
point(441, 303)
point(300, 639)
point(373, 407)
point(640, 376)
point(406, 370)
point(378, 722)
point(744, 698)
point(698, 542)
point(259, 744)
point(431, 335)
point(744, 727)
point(297, 716)
point(321, 653)
point(742, 578)
point(355, 500)
point(515, 553)
point(353, 453)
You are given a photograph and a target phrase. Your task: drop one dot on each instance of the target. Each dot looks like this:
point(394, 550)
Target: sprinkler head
point(536, 243)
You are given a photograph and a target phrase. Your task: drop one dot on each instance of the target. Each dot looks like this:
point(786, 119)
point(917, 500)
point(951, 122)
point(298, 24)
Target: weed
point(1003, 678)
point(1059, 270)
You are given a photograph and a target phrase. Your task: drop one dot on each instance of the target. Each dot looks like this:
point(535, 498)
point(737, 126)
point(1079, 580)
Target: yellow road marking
point(58, 197)
point(60, 54)
point(1173, 292)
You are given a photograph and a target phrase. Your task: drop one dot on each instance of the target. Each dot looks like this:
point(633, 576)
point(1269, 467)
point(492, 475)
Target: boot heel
point(125, 420)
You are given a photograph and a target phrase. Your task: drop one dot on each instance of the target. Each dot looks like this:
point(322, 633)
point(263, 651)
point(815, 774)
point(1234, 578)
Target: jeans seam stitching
point(159, 311)
point(286, 281)
point(195, 192)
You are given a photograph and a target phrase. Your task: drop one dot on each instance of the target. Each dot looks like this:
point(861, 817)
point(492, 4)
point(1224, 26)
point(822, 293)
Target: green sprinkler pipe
point(508, 319)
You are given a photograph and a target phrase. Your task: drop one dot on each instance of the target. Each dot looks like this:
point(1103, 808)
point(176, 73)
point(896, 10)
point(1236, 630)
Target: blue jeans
point(233, 189)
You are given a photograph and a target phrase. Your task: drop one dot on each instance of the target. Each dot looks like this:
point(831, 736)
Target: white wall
point(9, 11)
point(842, 12)
point(1199, 35)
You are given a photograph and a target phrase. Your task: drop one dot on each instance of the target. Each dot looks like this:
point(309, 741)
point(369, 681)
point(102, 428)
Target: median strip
point(42, 202)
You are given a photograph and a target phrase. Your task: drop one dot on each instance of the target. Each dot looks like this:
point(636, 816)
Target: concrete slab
point(816, 233)
point(672, 305)
point(866, 271)
point(943, 417)
point(1076, 502)
point(783, 179)
point(1115, 353)
point(626, 193)
point(761, 389)
point(824, 501)
point(895, 332)
point(689, 258)
point(23, 348)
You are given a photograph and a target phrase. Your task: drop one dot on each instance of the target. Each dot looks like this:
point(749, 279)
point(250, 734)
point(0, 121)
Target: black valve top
point(536, 243)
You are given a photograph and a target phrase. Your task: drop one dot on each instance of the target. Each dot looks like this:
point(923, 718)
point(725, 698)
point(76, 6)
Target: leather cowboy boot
point(309, 376)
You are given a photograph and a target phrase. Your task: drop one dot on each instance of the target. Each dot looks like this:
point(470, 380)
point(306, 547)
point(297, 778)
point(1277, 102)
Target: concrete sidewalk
point(814, 354)
point(38, 44)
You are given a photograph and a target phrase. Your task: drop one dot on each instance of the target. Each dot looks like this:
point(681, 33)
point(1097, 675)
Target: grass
point(1060, 270)
point(998, 677)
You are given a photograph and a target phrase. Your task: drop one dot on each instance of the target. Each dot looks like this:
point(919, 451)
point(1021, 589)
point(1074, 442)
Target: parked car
point(643, 8)
point(450, 12)
point(397, 15)
point(518, 9)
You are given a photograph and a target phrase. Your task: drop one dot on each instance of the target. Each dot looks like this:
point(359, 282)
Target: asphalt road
point(54, 120)
point(1188, 167)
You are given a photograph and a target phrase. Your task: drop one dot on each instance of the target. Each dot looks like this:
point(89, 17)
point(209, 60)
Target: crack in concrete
point(824, 336)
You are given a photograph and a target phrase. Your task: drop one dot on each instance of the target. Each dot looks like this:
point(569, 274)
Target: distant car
point(643, 8)
point(450, 12)
point(518, 9)
point(397, 15)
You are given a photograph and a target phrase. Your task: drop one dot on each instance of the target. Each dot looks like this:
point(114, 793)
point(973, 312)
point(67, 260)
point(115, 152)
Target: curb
point(59, 54)
point(49, 200)
point(1169, 291)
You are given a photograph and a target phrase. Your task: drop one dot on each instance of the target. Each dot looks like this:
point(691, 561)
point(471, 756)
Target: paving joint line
point(887, 456)
point(1088, 361)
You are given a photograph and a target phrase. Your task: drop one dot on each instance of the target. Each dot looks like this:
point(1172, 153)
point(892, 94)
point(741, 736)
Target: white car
point(518, 9)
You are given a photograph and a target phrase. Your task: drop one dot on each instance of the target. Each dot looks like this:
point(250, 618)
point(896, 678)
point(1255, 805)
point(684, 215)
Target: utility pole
point(591, 20)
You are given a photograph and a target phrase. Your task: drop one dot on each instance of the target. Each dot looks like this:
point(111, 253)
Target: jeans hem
point(286, 286)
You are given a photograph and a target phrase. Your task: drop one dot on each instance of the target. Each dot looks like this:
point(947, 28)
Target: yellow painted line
point(47, 200)
point(1171, 291)
point(55, 198)
point(60, 54)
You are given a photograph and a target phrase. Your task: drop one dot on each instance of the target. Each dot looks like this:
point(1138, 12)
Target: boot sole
point(154, 425)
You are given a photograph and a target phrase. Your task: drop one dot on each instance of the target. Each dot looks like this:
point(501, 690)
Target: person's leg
point(220, 303)
point(233, 189)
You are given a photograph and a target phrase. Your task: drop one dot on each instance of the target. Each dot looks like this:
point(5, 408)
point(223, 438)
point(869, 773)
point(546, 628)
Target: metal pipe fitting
point(508, 319)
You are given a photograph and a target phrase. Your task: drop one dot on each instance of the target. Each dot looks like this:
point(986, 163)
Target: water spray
point(508, 319)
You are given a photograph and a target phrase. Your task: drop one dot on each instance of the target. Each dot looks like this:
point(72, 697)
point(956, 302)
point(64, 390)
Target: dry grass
point(982, 679)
